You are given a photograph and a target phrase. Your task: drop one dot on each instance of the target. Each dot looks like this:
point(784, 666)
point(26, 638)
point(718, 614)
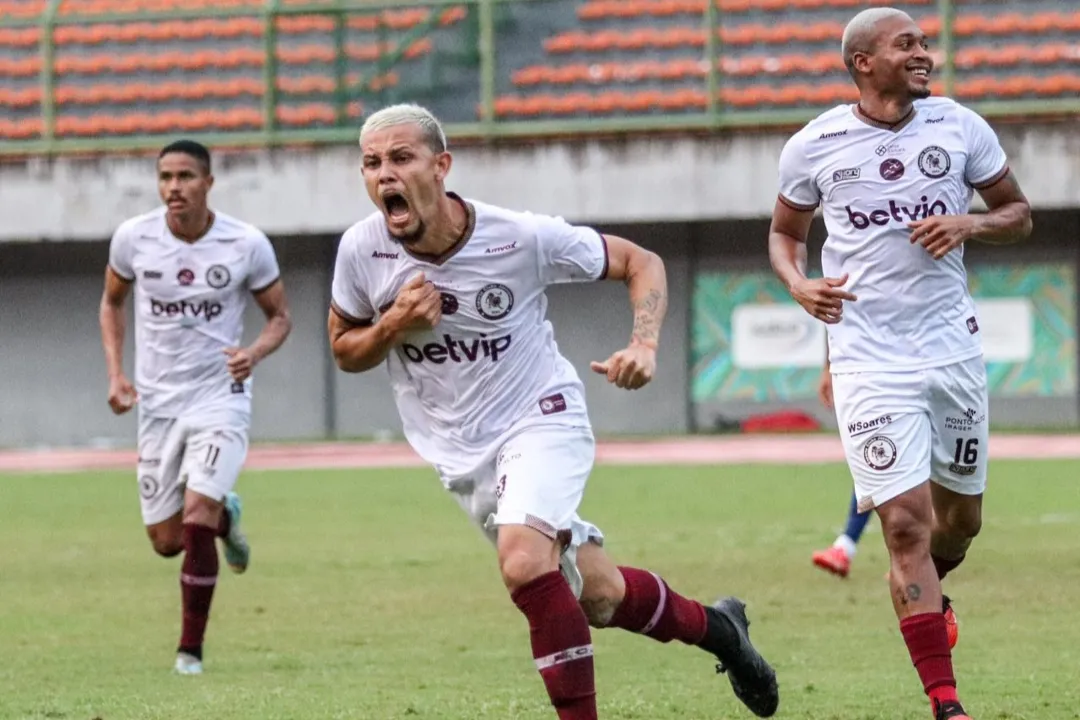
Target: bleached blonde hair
point(408, 114)
point(861, 32)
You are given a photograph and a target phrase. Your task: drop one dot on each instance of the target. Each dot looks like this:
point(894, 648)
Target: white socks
point(847, 545)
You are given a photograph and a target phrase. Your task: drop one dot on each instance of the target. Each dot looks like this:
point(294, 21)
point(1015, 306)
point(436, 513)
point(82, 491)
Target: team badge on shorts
point(148, 487)
point(934, 162)
point(879, 452)
point(494, 301)
point(218, 276)
point(500, 487)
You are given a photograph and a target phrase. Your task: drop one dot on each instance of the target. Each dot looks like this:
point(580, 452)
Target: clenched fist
point(122, 395)
point(418, 305)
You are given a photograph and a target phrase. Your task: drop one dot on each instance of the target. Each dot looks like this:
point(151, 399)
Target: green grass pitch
point(371, 597)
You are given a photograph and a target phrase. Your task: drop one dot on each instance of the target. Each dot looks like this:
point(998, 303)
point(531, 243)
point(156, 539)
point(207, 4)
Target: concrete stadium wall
point(53, 385)
point(640, 179)
point(52, 372)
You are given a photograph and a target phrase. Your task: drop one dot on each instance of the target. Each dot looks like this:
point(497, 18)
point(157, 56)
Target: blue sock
point(856, 521)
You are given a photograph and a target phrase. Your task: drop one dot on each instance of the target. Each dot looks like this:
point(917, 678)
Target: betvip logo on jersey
point(458, 351)
point(895, 212)
point(186, 312)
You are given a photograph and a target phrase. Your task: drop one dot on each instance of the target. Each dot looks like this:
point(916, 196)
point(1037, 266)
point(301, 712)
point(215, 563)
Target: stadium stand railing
point(98, 75)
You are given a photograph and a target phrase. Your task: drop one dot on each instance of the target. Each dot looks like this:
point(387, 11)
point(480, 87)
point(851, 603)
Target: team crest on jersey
point(218, 276)
point(185, 276)
point(449, 303)
point(892, 169)
point(934, 162)
point(494, 301)
point(879, 453)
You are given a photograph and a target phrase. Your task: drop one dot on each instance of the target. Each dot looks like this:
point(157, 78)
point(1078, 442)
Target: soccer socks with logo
point(651, 608)
point(198, 576)
point(928, 643)
point(561, 644)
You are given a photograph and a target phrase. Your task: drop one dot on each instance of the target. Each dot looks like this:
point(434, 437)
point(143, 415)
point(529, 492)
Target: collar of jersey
point(868, 122)
point(470, 225)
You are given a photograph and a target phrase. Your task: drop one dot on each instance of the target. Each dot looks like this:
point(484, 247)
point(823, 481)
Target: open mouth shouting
point(398, 212)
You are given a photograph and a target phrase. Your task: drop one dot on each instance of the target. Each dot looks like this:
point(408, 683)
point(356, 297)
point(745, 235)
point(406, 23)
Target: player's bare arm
point(825, 392)
point(821, 297)
point(122, 395)
point(1008, 220)
point(275, 307)
point(359, 346)
point(644, 275)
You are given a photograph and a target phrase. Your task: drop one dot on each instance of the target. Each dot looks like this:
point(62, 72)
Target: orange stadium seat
point(21, 8)
point(755, 33)
point(143, 93)
point(797, 94)
point(603, 9)
point(623, 57)
point(820, 63)
point(27, 129)
point(19, 37)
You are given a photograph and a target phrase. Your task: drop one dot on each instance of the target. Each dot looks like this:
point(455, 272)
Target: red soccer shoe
point(951, 626)
point(833, 560)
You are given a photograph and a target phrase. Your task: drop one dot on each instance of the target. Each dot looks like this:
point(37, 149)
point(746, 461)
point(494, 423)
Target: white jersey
point(189, 307)
point(491, 365)
point(912, 312)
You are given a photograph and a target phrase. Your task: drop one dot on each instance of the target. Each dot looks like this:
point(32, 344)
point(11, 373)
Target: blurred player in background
point(192, 269)
point(837, 559)
point(450, 295)
point(895, 174)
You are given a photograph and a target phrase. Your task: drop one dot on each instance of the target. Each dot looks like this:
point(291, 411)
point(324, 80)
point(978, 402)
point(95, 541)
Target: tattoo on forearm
point(649, 315)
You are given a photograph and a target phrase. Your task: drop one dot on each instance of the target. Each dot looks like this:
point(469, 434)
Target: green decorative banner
point(751, 342)
point(1027, 317)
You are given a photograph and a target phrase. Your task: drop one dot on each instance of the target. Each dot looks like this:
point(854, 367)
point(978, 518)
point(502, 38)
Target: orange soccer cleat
point(833, 560)
point(951, 626)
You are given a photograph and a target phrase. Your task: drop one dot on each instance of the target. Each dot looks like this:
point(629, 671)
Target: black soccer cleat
point(951, 711)
point(727, 636)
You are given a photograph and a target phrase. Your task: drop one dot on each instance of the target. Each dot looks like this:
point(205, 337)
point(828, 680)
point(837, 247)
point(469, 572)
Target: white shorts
point(901, 429)
point(537, 479)
point(204, 454)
